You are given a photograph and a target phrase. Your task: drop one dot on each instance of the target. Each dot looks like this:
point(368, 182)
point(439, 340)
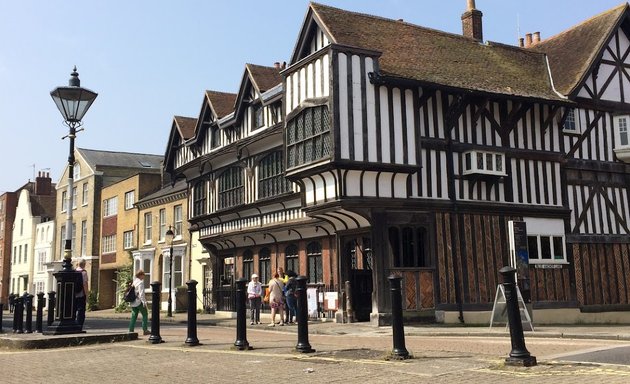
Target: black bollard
point(51, 308)
point(19, 315)
point(519, 355)
point(302, 316)
point(398, 330)
point(1, 312)
point(28, 306)
point(40, 312)
point(191, 338)
point(155, 337)
point(241, 329)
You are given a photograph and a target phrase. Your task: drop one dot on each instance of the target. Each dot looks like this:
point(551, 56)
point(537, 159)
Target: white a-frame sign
point(499, 310)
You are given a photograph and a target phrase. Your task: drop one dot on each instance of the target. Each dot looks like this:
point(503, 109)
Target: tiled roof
point(222, 103)
point(186, 126)
point(167, 190)
point(264, 78)
point(427, 55)
point(572, 52)
point(97, 158)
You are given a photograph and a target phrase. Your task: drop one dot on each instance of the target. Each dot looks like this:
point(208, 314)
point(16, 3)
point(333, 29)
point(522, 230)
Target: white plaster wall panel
point(398, 156)
point(411, 128)
point(371, 114)
point(343, 108)
point(357, 108)
point(385, 125)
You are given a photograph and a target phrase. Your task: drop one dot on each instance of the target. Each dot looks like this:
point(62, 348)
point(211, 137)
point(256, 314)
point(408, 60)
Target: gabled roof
point(573, 52)
point(96, 158)
point(261, 78)
point(264, 78)
point(434, 57)
point(185, 126)
point(179, 187)
point(222, 103)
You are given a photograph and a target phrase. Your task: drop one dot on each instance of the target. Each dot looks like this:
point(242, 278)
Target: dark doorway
point(358, 252)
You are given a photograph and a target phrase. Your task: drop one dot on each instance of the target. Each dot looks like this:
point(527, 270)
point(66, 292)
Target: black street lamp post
point(73, 102)
point(169, 239)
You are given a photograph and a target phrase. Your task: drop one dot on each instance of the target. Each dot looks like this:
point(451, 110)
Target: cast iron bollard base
point(51, 308)
point(191, 339)
point(398, 331)
point(303, 345)
point(241, 342)
point(28, 305)
point(155, 337)
point(1, 311)
point(519, 355)
point(39, 317)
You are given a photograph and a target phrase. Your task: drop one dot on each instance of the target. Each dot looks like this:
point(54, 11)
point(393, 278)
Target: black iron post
point(519, 355)
point(28, 305)
point(302, 316)
point(155, 337)
point(1, 312)
point(19, 315)
point(398, 331)
point(51, 308)
point(241, 329)
point(40, 312)
point(191, 338)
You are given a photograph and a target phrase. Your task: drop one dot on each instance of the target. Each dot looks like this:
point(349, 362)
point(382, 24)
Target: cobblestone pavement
point(339, 358)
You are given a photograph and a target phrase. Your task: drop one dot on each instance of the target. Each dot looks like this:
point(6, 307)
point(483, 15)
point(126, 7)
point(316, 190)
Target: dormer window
point(622, 146)
point(483, 162)
point(76, 171)
point(259, 120)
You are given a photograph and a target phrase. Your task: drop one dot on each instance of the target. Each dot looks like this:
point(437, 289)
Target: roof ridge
point(111, 151)
point(582, 23)
point(401, 21)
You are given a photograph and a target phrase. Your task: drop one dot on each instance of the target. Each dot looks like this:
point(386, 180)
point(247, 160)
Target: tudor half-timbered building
point(408, 150)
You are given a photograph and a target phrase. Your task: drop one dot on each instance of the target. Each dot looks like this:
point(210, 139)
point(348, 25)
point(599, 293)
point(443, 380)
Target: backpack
point(130, 295)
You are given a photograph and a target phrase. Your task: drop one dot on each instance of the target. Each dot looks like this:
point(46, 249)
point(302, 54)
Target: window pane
point(468, 161)
point(499, 163)
point(558, 248)
point(489, 161)
point(532, 244)
point(545, 247)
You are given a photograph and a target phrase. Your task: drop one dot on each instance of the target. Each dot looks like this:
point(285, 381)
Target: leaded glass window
point(199, 198)
point(271, 181)
point(231, 188)
point(314, 257)
point(308, 136)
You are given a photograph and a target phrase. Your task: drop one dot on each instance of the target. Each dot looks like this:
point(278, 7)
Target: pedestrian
point(140, 304)
point(276, 299)
point(284, 278)
point(289, 294)
point(254, 293)
point(80, 294)
point(11, 302)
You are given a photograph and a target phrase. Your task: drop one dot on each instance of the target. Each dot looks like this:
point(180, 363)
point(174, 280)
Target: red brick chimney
point(471, 22)
point(43, 184)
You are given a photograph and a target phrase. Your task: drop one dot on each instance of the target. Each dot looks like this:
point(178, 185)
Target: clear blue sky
point(152, 59)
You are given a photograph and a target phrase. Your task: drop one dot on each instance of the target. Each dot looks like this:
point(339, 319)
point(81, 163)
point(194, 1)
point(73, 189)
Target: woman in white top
point(140, 304)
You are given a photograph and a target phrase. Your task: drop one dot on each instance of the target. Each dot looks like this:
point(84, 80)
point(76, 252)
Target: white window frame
point(109, 244)
point(546, 228)
point(75, 197)
point(83, 237)
point(178, 220)
point(84, 197)
point(141, 261)
point(622, 132)
point(76, 171)
point(162, 218)
point(130, 199)
point(110, 206)
point(148, 226)
point(479, 163)
point(64, 201)
point(128, 239)
point(178, 271)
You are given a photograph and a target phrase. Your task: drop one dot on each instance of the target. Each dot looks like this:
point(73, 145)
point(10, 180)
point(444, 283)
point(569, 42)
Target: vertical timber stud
point(302, 317)
point(519, 355)
point(398, 331)
point(241, 330)
point(155, 337)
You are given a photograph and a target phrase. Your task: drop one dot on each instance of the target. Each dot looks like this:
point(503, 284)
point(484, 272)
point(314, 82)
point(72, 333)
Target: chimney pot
point(536, 37)
point(471, 5)
point(521, 42)
point(528, 39)
point(276, 65)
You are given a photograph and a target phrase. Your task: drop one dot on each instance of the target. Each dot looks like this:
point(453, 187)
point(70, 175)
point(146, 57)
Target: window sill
point(571, 132)
point(623, 153)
